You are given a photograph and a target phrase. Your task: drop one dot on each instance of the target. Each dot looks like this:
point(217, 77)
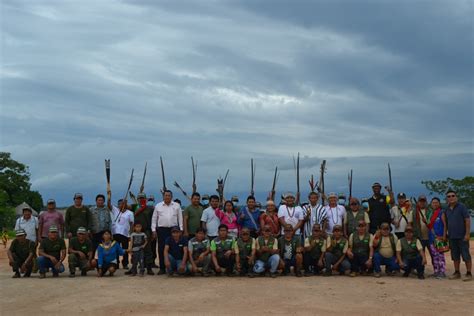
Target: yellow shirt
point(386, 249)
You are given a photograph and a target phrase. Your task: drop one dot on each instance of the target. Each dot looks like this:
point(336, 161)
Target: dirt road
point(121, 295)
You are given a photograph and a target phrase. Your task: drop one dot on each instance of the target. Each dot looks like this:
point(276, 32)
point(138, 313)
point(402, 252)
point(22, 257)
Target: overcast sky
point(356, 83)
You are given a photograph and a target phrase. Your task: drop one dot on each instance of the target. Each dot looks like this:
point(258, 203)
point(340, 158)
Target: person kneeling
point(335, 255)
point(267, 251)
point(410, 254)
point(384, 251)
point(176, 252)
point(21, 254)
point(314, 247)
point(52, 252)
point(360, 251)
point(80, 253)
point(223, 254)
point(245, 253)
point(107, 253)
point(199, 253)
point(291, 252)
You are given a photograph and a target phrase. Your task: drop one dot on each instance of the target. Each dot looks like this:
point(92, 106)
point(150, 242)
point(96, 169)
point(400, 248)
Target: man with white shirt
point(209, 219)
point(29, 223)
point(167, 214)
point(291, 214)
point(335, 213)
point(122, 224)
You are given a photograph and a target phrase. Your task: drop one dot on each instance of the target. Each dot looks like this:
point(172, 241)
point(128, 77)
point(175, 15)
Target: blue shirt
point(109, 255)
point(176, 249)
point(456, 221)
point(247, 222)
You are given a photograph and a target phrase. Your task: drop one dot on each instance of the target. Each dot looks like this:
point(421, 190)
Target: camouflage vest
point(316, 246)
point(245, 248)
point(361, 246)
point(337, 247)
point(261, 243)
point(409, 250)
point(352, 221)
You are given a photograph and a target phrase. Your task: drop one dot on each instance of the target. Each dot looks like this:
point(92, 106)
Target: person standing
point(209, 219)
point(21, 254)
point(335, 213)
point(401, 215)
point(249, 217)
point(192, 216)
point(167, 214)
point(29, 224)
point(143, 215)
point(314, 213)
point(136, 246)
point(291, 214)
point(436, 226)
point(458, 228)
point(379, 208)
point(122, 224)
point(100, 220)
point(77, 216)
point(52, 252)
point(353, 216)
point(270, 219)
point(228, 218)
point(51, 217)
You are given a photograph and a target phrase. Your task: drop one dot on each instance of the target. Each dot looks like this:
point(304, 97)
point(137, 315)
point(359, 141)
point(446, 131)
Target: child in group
point(136, 246)
point(107, 254)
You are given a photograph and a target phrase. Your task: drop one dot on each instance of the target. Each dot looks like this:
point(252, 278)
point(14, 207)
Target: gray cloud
point(225, 82)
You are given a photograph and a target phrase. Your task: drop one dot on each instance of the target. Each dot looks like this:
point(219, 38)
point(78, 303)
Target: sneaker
point(441, 276)
point(72, 275)
point(456, 275)
point(377, 274)
point(16, 275)
point(150, 272)
point(42, 275)
point(467, 277)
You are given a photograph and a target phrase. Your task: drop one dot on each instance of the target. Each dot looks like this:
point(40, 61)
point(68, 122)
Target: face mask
point(365, 205)
point(150, 203)
point(341, 202)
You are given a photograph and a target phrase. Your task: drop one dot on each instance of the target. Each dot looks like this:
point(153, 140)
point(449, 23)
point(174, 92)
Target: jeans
point(358, 263)
point(390, 263)
point(138, 258)
point(332, 259)
point(416, 263)
point(175, 264)
point(271, 263)
point(45, 263)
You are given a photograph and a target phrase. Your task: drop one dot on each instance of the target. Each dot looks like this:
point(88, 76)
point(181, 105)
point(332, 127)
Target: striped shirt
point(318, 216)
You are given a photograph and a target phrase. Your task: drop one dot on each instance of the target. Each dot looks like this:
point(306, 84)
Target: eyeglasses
point(450, 196)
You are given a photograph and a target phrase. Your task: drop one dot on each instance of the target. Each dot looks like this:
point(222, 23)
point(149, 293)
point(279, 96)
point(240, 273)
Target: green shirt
point(194, 215)
point(85, 247)
point(53, 247)
point(22, 249)
point(77, 217)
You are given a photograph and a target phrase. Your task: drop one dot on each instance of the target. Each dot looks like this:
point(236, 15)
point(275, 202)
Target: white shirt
point(335, 216)
point(167, 216)
point(30, 226)
point(121, 222)
point(212, 221)
point(291, 215)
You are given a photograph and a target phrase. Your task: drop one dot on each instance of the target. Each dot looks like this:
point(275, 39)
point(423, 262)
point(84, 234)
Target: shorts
point(459, 248)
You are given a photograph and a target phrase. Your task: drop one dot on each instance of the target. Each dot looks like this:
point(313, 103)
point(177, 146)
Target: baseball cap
point(78, 196)
point(51, 201)
point(376, 184)
point(337, 228)
point(82, 230)
point(175, 229)
point(401, 195)
point(422, 197)
point(332, 195)
point(53, 229)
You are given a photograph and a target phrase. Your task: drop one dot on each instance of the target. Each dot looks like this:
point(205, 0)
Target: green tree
point(463, 187)
point(15, 188)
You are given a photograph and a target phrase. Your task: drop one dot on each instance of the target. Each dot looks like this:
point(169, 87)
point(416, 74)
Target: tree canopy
point(464, 188)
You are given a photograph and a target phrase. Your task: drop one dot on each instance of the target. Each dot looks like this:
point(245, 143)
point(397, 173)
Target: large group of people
point(324, 236)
